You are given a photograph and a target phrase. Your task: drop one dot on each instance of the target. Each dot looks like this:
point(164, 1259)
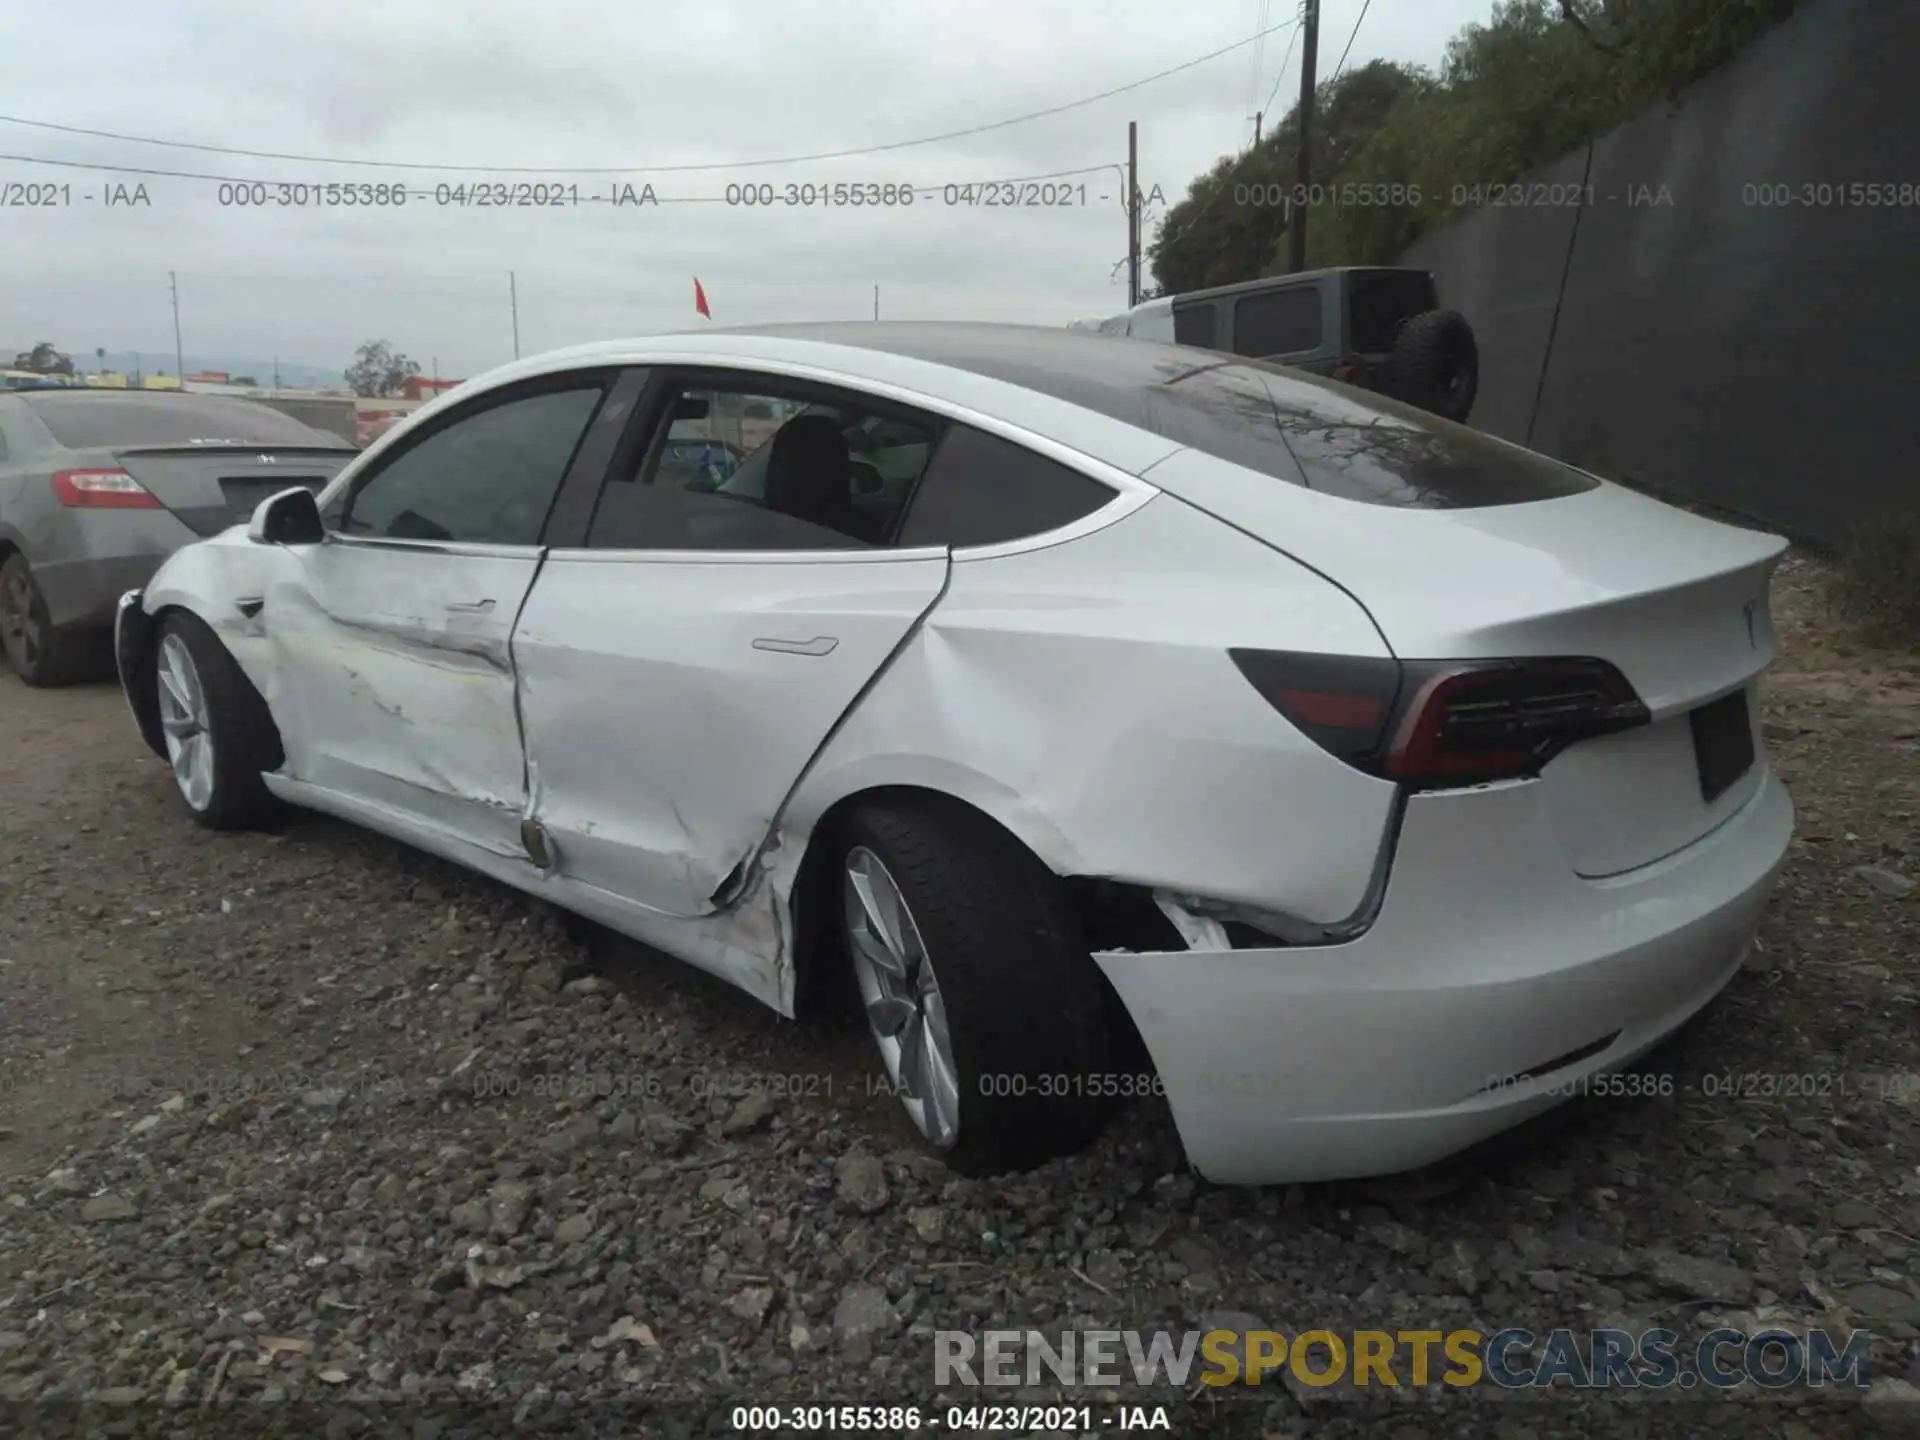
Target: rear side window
point(1379, 300)
point(1195, 325)
point(1277, 322)
point(94, 421)
point(982, 490)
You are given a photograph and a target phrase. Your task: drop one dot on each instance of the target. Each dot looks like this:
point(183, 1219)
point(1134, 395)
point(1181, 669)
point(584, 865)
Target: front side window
point(750, 470)
point(488, 478)
point(1277, 322)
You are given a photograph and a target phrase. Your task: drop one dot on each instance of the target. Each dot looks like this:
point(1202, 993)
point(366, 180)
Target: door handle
point(819, 645)
point(470, 607)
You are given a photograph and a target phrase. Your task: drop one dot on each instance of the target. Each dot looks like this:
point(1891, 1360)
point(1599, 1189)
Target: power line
point(1263, 17)
point(1350, 34)
point(1283, 66)
point(1161, 241)
point(655, 169)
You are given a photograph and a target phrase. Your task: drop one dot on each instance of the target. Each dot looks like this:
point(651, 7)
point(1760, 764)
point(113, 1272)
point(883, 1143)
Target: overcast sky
point(572, 84)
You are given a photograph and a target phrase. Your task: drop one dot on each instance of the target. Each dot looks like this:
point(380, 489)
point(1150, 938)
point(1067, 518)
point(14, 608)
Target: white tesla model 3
point(1387, 780)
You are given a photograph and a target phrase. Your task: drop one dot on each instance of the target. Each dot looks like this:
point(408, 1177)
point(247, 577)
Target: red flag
point(700, 299)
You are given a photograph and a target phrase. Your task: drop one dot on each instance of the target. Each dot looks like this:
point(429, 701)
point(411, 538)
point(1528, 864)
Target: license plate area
point(1722, 743)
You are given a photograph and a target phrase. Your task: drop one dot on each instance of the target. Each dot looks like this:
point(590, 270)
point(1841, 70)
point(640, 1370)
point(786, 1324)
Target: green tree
point(43, 359)
point(1539, 78)
point(379, 369)
point(1232, 224)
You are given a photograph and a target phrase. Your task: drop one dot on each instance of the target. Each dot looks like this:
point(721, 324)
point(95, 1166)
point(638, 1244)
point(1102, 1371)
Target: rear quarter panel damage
point(1083, 696)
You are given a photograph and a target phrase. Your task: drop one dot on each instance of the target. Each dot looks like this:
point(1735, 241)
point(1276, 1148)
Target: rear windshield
point(102, 420)
point(1378, 300)
point(1280, 422)
point(1386, 453)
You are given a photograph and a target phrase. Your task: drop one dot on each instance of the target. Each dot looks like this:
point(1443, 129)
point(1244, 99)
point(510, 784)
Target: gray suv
point(1378, 327)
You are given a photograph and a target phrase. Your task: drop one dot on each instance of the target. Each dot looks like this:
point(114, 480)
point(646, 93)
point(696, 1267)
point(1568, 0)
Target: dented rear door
point(672, 700)
point(397, 685)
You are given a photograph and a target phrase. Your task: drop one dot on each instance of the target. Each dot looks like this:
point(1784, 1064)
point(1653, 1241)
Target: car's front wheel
point(220, 736)
point(988, 1012)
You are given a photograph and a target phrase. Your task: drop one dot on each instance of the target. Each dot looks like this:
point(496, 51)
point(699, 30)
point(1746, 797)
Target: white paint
point(665, 738)
point(1489, 958)
point(1077, 688)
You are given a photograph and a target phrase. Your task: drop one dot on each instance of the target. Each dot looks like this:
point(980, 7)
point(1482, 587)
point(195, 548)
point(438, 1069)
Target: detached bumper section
point(1493, 980)
point(132, 656)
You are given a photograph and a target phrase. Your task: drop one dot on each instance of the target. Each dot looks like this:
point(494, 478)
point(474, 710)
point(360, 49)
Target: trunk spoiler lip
point(182, 448)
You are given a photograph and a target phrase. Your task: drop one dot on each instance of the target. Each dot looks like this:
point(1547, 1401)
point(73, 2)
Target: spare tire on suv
point(1435, 364)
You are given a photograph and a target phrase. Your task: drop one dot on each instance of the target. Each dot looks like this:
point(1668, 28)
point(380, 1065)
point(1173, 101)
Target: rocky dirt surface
point(309, 1133)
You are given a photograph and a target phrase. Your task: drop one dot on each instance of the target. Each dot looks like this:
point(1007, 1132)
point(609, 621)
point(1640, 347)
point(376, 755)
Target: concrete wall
point(1676, 333)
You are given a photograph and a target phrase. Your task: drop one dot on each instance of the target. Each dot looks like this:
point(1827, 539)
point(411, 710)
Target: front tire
point(219, 734)
point(988, 1011)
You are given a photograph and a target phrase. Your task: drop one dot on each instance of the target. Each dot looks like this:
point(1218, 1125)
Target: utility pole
point(276, 372)
point(513, 298)
point(1133, 213)
point(876, 302)
point(1256, 126)
point(179, 360)
point(1303, 175)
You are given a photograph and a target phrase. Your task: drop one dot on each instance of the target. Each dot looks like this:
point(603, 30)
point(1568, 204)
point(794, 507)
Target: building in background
point(418, 387)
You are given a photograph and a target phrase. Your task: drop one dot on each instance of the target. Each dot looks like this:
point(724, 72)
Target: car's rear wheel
point(39, 654)
point(220, 737)
point(986, 1008)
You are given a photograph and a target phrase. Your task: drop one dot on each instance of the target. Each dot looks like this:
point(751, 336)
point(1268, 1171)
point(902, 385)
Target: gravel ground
point(310, 1118)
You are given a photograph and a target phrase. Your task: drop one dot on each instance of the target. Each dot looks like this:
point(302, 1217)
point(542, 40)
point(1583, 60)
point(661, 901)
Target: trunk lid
point(1677, 602)
point(209, 488)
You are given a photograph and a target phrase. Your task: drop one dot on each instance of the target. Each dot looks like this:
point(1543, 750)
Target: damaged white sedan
point(1056, 693)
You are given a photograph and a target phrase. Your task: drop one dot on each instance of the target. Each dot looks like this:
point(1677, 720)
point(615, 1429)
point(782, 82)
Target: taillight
point(102, 490)
point(1434, 723)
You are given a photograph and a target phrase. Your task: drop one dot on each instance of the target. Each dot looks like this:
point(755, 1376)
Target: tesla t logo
point(1748, 609)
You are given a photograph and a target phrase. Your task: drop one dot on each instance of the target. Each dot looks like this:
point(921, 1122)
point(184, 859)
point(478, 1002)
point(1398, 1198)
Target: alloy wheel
point(185, 719)
point(17, 631)
point(901, 994)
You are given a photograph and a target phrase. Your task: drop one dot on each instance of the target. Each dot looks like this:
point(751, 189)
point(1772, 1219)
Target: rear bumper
point(85, 594)
point(85, 560)
point(1486, 965)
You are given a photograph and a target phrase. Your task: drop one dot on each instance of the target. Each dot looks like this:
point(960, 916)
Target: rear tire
point(1435, 364)
point(220, 737)
point(993, 965)
point(40, 654)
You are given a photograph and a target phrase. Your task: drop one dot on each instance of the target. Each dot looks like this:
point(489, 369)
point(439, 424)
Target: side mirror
point(290, 518)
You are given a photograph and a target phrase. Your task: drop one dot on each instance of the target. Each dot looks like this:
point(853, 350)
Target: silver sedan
point(98, 486)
